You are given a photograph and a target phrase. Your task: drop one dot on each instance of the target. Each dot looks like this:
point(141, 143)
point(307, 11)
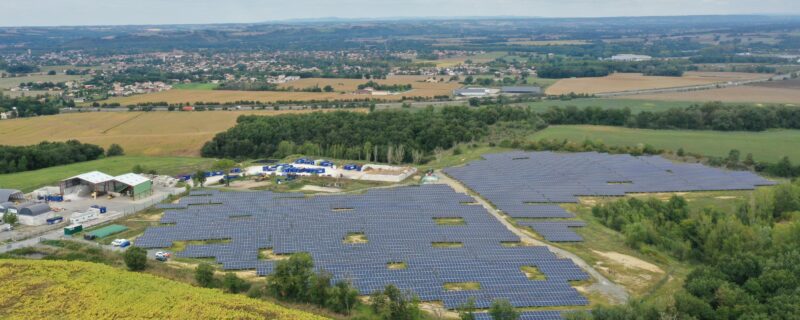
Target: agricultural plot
point(139, 133)
point(8, 83)
point(635, 81)
point(30, 180)
point(768, 146)
point(532, 184)
point(787, 91)
point(419, 85)
point(398, 242)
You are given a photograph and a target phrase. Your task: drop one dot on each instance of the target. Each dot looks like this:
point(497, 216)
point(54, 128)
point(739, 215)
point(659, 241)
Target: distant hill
point(40, 289)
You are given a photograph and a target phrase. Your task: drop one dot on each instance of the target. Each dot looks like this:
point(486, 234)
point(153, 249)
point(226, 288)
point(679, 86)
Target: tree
point(474, 102)
point(10, 218)
point(320, 283)
point(328, 88)
point(135, 258)
point(233, 284)
point(225, 165)
point(343, 297)
point(466, 311)
point(199, 177)
point(115, 150)
point(392, 303)
point(204, 275)
point(292, 278)
point(503, 310)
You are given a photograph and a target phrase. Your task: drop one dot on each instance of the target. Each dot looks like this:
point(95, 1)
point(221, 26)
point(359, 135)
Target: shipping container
point(73, 229)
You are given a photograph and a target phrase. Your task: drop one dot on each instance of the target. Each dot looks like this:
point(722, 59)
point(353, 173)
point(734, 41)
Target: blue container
point(236, 170)
point(55, 220)
point(103, 209)
point(352, 167)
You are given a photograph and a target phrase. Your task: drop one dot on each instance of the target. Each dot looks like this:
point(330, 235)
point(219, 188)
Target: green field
point(30, 180)
point(8, 83)
point(765, 146)
point(196, 86)
point(635, 105)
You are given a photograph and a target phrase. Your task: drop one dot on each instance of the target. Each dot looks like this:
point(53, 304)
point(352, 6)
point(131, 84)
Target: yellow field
point(139, 133)
point(419, 86)
point(420, 89)
point(81, 290)
point(454, 61)
point(528, 42)
point(635, 81)
point(754, 94)
point(8, 83)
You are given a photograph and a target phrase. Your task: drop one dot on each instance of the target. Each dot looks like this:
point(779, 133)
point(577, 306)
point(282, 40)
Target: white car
point(117, 242)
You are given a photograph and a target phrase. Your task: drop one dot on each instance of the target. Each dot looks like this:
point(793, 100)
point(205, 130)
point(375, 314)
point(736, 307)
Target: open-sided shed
point(91, 182)
point(11, 195)
point(133, 185)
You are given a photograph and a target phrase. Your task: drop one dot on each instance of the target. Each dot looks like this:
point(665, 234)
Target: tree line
point(747, 260)
point(49, 154)
point(386, 136)
point(708, 116)
point(23, 107)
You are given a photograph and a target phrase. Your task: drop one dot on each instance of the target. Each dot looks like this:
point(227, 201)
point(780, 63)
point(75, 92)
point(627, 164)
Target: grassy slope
point(765, 146)
point(72, 290)
point(30, 180)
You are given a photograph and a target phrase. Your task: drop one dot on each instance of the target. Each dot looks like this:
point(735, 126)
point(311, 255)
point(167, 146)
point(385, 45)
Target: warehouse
point(522, 90)
point(132, 185)
point(11, 195)
point(33, 214)
point(474, 92)
point(92, 184)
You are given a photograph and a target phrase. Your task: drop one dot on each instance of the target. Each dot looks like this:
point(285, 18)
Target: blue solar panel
point(400, 227)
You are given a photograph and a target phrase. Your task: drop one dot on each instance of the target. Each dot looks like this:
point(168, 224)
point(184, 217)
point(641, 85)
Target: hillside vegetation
point(80, 290)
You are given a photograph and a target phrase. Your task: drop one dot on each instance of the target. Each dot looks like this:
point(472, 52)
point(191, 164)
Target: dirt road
point(603, 286)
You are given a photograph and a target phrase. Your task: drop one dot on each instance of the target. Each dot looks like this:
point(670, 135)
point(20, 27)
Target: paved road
point(613, 291)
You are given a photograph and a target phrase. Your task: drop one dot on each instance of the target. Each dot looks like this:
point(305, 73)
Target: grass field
point(8, 83)
point(765, 146)
point(74, 290)
point(139, 133)
point(196, 86)
point(766, 92)
point(615, 103)
point(635, 81)
point(30, 180)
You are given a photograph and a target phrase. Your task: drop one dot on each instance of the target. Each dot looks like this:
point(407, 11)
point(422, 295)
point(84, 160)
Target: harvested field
point(139, 133)
point(740, 94)
point(8, 83)
point(419, 86)
point(343, 87)
point(635, 81)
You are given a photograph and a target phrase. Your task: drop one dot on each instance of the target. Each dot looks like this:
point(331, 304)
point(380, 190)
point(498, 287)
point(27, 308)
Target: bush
point(204, 275)
point(233, 284)
point(503, 310)
point(135, 258)
point(115, 150)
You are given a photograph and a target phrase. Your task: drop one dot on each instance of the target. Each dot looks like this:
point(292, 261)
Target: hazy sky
point(114, 12)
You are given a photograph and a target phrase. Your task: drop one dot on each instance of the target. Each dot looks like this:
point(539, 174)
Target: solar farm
point(533, 184)
point(400, 226)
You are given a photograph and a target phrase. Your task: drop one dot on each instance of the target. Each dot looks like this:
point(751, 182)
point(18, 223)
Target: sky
point(138, 12)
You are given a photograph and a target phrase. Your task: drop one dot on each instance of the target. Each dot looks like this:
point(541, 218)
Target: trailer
point(55, 220)
point(73, 229)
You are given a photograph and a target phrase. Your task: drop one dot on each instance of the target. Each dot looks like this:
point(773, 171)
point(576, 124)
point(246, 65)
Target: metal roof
point(10, 194)
point(33, 209)
point(93, 177)
point(131, 179)
point(523, 89)
point(471, 90)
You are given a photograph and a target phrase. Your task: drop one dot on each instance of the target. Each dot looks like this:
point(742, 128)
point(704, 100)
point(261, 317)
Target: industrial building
point(95, 184)
point(11, 195)
point(631, 57)
point(522, 90)
point(474, 92)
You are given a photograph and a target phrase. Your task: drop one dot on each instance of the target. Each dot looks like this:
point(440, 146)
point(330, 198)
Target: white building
point(631, 57)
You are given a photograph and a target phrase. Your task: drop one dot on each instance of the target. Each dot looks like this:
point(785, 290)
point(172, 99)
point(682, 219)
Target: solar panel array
point(556, 231)
point(531, 184)
point(400, 227)
point(528, 315)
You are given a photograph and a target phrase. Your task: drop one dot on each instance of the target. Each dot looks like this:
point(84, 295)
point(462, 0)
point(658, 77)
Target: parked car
point(117, 242)
point(163, 256)
point(124, 243)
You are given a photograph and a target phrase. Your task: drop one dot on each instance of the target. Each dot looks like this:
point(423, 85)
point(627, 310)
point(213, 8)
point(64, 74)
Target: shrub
point(135, 258)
